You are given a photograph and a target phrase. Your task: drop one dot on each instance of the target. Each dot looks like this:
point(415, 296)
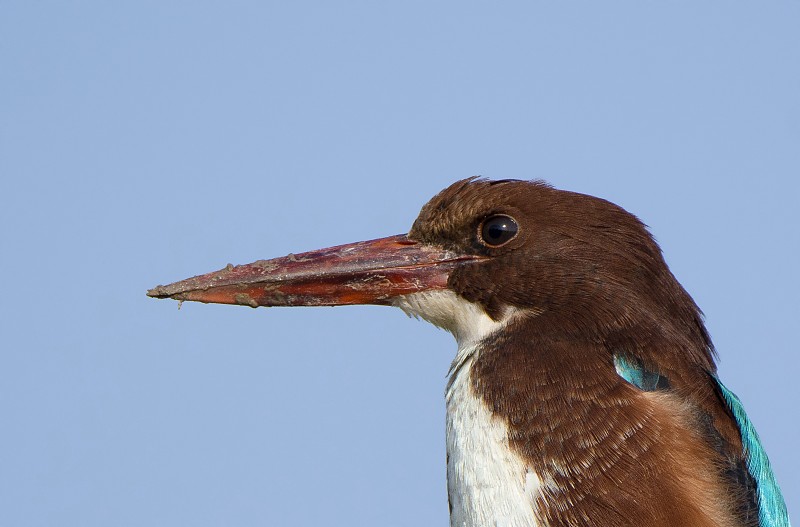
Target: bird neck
point(534, 439)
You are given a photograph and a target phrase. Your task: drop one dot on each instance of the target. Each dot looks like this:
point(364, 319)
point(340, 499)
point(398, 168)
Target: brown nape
point(588, 282)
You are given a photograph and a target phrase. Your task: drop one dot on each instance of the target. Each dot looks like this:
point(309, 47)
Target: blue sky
point(144, 143)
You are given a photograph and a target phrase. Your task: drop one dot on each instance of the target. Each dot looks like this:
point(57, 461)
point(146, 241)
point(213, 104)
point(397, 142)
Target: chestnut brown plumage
point(595, 283)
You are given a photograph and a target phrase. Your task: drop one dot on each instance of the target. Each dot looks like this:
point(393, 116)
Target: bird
point(584, 390)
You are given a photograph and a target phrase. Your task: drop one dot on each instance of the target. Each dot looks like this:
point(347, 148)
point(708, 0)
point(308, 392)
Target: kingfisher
point(584, 390)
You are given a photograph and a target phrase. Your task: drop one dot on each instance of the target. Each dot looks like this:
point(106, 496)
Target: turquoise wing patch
point(771, 507)
point(633, 372)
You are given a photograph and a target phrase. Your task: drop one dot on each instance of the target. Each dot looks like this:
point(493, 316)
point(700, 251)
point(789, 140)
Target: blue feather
point(636, 374)
point(771, 507)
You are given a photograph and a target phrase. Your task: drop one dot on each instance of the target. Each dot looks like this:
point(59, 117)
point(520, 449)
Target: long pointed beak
point(371, 272)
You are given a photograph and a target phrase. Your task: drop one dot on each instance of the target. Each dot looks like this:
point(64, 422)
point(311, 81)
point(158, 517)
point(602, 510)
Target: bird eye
point(498, 230)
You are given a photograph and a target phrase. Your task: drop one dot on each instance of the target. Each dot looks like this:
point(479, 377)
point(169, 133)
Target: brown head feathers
point(576, 257)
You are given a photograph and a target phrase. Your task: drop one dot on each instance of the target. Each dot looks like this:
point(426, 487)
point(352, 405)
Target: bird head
point(493, 249)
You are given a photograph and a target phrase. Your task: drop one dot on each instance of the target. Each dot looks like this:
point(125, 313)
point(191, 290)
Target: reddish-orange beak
point(371, 272)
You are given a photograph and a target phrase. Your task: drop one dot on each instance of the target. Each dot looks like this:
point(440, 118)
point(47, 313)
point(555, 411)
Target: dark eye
point(498, 230)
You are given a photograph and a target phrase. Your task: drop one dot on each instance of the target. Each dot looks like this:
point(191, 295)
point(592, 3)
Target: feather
point(771, 507)
point(635, 373)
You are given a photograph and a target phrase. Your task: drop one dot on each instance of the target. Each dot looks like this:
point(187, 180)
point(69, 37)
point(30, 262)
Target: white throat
point(467, 321)
point(488, 484)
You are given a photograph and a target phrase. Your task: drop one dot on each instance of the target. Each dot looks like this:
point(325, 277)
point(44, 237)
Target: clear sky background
point(146, 142)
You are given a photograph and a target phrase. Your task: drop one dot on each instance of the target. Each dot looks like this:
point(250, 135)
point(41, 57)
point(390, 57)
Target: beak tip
point(158, 291)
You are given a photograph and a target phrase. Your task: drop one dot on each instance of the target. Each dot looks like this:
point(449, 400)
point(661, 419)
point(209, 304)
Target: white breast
point(488, 484)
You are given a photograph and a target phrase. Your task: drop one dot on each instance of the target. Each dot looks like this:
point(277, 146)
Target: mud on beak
point(371, 272)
